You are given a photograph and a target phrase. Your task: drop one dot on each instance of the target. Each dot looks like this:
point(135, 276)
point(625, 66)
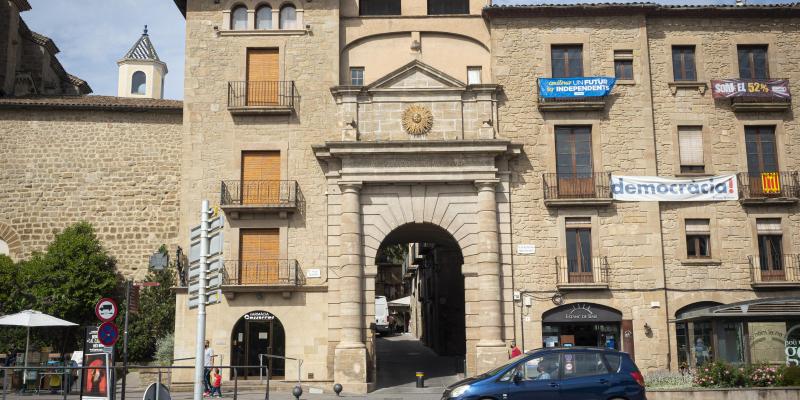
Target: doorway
point(257, 335)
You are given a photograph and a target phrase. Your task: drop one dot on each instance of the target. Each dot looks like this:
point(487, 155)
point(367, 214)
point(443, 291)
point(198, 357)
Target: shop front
point(582, 324)
point(750, 332)
point(257, 338)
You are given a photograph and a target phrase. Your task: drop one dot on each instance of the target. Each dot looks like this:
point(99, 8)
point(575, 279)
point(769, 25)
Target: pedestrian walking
point(514, 351)
point(208, 362)
point(216, 383)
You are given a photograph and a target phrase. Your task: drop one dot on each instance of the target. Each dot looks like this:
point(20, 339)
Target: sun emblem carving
point(417, 120)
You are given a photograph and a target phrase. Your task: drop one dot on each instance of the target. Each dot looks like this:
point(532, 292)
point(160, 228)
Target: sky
point(108, 29)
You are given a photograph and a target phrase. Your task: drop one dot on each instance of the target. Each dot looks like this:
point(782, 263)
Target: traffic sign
point(106, 309)
point(107, 333)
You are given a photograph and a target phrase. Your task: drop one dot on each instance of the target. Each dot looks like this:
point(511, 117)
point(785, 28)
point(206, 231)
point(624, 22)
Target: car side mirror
point(517, 376)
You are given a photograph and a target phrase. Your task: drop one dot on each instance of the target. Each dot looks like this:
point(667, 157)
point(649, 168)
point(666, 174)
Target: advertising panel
point(595, 86)
point(763, 88)
point(654, 188)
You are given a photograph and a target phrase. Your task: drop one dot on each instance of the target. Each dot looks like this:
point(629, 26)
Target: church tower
point(141, 72)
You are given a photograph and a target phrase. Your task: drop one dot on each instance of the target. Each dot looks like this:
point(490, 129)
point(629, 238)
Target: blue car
point(573, 373)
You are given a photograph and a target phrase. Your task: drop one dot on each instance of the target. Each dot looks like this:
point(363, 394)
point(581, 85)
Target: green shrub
point(164, 349)
point(764, 375)
point(719, 374)
point(791, 376)
point(667, 380)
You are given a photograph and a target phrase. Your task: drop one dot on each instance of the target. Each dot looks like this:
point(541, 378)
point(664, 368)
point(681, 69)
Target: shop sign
point(595, 86)
point(654, 188)
point(582, 312)
point(259, 316)
point(762, 88)
point(792, 346)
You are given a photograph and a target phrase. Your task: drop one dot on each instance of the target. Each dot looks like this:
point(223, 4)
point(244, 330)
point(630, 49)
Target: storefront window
point(767, 342)
point(683, 345)
point(581, 324)
point(730, 339)
point(703, 352)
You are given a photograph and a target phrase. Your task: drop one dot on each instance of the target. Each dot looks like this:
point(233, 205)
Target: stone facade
point(119, 171)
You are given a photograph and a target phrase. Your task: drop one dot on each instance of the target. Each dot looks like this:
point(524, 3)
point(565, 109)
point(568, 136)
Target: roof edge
point(527, 10)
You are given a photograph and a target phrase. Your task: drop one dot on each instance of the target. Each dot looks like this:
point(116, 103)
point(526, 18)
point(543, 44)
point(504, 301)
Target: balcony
point(261, 97)
point(577, 189)
point(238, 197)
point(582, 274)
point(572, 104)
point(749, 104)
point(775, 271)
point(769, 188)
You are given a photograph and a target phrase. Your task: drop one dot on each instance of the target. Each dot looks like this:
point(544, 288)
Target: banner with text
point(596, 86)
point(653, 188)
point(762, 88)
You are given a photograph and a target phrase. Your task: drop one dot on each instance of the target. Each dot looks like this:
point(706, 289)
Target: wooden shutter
point(259, 253)
point(261, 177)
point(262, 77)
point(690, 140)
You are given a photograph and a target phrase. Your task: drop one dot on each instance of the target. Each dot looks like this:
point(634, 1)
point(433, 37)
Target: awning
point(778, 308)
point(401, 302)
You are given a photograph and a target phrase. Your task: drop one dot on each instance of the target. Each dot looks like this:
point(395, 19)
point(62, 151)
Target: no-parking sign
point(107, 334)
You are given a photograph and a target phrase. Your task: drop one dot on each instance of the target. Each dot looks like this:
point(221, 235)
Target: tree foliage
point(156, 316)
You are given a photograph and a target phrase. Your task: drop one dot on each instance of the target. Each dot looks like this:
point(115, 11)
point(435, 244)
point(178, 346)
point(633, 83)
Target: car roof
point(574, 348)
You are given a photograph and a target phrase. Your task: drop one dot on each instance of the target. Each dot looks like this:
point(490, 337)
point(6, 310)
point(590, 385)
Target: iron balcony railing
point(764, 185)
point(266, 272)
point(259, 193)
point(577, 271)
point(261, 94)
point(595, 185)
point(775, 268)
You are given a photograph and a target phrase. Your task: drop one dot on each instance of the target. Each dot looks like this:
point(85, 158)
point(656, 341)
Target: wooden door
point(261, 177)
point(259, 254)
point(762, 161)
point(262, 77)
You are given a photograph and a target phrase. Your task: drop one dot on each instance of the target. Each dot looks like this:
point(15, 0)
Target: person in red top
point(216, 383)
point(515, 351)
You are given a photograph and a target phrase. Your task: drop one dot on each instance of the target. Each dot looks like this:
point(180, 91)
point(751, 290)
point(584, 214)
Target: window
point(288, 17)
point(614, 361)
point(683, 67)
point(698, 238)
point(437, 7)
point(574, 161)
point(623, 64)
point(379, 7)
point(357, 76)
point(762, 155)
point(264, 17)
point(473, 75)
point(539, 368)
point(753, 62)
point(567, 61)
point(239, 18)
point(579, 250)
point(690, 146)
point(580, 364)
point(138, 83)
point(770, 249)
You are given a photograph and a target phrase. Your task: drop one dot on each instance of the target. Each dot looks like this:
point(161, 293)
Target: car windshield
point(498, 369)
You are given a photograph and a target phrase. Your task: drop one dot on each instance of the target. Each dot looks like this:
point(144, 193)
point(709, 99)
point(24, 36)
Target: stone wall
point(118, 170)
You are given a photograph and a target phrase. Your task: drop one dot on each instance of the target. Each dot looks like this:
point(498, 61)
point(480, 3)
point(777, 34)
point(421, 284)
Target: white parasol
point(32, 318)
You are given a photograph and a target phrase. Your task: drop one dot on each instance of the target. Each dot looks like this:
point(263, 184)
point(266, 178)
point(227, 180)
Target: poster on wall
point(654, 188)
point(791, 345)
point(595, 86)
point(96, 377)
point(763, 88)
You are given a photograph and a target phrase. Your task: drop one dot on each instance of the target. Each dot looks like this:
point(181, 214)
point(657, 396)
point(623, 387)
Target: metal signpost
point(205, 280)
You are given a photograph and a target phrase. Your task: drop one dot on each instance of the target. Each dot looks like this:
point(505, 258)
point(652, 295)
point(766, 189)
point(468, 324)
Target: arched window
point(264, 17)
point(288, 18)
point(138, 83)
point(4, 249)
point(239, 18)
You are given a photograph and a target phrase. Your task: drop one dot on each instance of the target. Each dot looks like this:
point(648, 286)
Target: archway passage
point(419, 275)
point(256, 336)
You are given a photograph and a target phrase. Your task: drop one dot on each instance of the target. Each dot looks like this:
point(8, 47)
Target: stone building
point(327, 130)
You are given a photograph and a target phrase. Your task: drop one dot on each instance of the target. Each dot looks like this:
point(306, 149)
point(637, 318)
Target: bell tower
point(141, 72)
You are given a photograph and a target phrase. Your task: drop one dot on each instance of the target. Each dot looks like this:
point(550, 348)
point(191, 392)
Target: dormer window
point(138, 83)
point(288, 17)
point(239, 18)
point(264, 17)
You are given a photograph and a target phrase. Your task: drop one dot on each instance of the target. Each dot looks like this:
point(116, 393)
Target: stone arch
point(12, 239)
point(688, 299)
point(451, 208)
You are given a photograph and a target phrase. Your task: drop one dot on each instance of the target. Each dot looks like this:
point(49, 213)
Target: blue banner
point(595, 86)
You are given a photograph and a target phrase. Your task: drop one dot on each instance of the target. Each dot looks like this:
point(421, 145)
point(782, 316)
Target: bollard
point(297, 392)
point(420, 379)
point(337, 388)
